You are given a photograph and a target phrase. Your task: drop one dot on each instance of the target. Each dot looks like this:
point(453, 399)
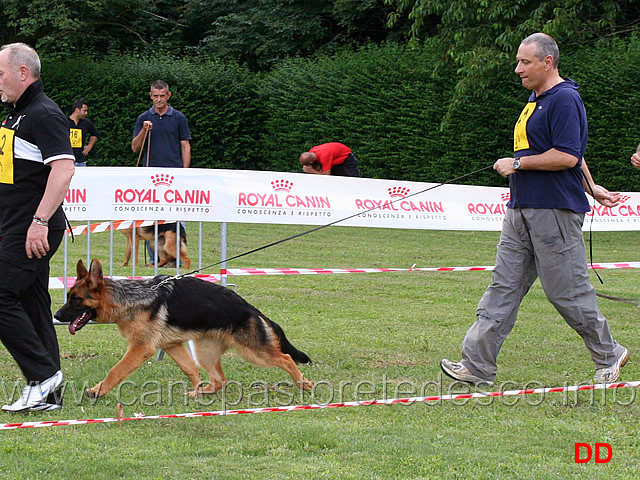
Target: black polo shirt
point(79, 135)
point(33, 134)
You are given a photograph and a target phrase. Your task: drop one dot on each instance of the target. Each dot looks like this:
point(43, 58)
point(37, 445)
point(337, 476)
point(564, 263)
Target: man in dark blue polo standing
point(164, 131)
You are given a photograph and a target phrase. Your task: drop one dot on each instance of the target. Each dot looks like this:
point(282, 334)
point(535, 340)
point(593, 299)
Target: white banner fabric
point(241, 196)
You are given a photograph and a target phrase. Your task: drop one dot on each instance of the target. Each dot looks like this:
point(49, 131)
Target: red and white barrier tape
point(364, 403)
point(58, 282)
point(117, 225)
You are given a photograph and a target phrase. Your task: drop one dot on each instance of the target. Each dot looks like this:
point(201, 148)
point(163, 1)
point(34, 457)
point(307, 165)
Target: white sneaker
point(52, 402)
point(37, 395)
point(459, 372)
point(611, 374)
point(45, 407)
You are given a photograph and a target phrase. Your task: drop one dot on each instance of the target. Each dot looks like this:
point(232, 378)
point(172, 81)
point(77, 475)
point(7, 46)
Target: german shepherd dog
point(166, 247)
point(164, 312)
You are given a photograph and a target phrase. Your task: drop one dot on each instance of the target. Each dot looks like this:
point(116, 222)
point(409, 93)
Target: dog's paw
point(204, 388)
point(305, 384)
point(93, 392)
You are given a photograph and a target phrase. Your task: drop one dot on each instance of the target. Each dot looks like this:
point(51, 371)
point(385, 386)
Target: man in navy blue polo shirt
point(163, 131)
point(542, 230)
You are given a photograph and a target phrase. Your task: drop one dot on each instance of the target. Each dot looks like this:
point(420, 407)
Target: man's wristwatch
point(516, 164)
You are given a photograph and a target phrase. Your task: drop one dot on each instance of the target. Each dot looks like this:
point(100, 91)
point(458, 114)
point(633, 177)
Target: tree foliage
point(480, 37)
point(256, 33)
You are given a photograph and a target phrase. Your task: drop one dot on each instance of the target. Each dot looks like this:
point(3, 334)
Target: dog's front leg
point(136, 355)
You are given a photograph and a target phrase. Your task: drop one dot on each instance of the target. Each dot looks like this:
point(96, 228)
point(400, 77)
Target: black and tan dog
point(163, 313)
point(166, 247)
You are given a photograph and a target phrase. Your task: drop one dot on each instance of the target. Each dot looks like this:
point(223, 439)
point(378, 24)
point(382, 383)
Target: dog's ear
point(95, 272)
point(81, 270)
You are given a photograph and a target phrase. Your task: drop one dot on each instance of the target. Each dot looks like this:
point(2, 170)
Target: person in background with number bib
point(82, 132)
point(36, 166)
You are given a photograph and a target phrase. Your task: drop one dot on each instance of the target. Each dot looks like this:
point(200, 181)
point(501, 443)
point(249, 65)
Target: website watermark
point(264, 394)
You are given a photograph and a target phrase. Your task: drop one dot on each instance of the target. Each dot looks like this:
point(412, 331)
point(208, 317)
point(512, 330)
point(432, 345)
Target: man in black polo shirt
point(36, 166)
point(82, 132)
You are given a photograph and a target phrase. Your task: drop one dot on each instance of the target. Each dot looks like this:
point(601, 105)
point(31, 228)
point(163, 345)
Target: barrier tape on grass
point(117, 225)
point(58, 282)
point(292, 408)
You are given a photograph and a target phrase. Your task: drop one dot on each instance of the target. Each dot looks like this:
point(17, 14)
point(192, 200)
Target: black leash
point(593, 195)
point(323, 226)
point(630, 301)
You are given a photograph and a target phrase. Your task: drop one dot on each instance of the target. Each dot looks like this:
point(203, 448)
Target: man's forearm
point(185, 146)
point(56, 189)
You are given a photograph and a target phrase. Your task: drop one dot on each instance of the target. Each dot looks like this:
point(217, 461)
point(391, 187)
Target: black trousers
point(347, 169)
point(26, 325)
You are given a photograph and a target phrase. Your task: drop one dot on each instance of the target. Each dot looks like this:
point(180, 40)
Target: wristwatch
point(516, 164)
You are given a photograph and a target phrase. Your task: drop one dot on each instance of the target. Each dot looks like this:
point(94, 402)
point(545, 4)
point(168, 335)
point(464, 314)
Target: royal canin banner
point(241, 196)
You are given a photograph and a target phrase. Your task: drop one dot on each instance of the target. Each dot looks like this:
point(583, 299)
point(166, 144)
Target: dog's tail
point(285, 345)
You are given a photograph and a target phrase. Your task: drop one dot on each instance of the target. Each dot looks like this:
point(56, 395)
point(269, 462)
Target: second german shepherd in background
point(153, 314)
point(167, 243)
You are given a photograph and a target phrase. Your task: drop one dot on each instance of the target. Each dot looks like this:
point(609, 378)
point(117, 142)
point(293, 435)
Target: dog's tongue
point(73, 327)
point(78, 323)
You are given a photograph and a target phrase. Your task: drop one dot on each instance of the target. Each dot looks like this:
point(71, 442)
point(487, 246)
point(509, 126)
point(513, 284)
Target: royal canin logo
point(160, 194)
point(282, 185)
point(162, 179)
point(498, 208)
point(397, 202)
point(282, 197)
point(398, 192)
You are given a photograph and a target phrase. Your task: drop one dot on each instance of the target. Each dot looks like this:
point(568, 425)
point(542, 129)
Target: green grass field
point(371, 336)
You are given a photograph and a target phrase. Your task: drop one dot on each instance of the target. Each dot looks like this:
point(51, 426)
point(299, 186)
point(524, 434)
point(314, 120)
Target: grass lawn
point(371, 336)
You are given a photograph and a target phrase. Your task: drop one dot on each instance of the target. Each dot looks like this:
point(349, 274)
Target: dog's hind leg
point(127, 249)
point(186, 261)
point(185, 361)
point(209, 351)
point(271, 356)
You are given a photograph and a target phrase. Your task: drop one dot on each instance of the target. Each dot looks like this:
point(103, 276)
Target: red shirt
point(330, 154)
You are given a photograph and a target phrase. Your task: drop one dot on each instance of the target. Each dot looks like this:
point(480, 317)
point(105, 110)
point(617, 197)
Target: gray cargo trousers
point(549, 244)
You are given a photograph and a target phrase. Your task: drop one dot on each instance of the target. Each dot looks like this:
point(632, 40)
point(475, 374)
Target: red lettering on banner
point(486, 208)
point(402, 206)
point(628, 211)
point(188, 197)
point(602, 211)
point(273, 200)
point(76, 195)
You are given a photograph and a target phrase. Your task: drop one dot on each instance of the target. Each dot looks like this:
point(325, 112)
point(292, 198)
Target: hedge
point(385, 102)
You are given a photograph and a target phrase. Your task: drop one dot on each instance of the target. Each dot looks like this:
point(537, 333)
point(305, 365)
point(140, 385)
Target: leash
point(593, 195)
point(263, 247)
point(630, 301)
point(144, 139)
